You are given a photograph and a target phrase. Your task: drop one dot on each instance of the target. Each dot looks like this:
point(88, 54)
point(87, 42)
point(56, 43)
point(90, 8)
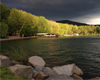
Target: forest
point(21, 22)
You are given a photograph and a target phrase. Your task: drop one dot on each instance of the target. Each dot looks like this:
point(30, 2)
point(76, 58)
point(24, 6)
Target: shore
point(36, 69)
point(17, 38)
point(30, 37)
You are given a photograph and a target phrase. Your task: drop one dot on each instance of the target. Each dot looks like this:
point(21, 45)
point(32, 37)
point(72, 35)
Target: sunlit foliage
point(22, 22)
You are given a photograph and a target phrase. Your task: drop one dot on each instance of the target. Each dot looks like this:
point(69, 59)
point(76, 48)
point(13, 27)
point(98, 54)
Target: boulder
point(22, 70)
point(59, 77)
point(96, 78)
point(30, 76)
point(68, 70)
point(4, 61)
point(38, 68)
point(32, 79)
point(41, 76)
point(49, 71)
point(36, 60)
point(77, 70)
point(76, 77)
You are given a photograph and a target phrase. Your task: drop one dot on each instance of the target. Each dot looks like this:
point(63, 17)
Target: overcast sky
point(85, 11)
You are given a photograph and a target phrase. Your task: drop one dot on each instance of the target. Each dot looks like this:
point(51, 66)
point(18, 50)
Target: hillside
point(71, 22)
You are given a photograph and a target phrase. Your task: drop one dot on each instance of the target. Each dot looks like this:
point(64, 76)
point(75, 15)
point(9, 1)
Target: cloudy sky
point(85, 11)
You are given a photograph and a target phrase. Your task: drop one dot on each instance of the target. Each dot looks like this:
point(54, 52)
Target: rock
point(30, 76)
point(36, 60)
point(77, 70)
point(41, 76)
point(60, 77)
point(38, 68)
point(15, 62)
point(22, 70)
point(35, 74)
point(49, 71)
point(96, 78)
point(68, 70)
point(32, 79)
point(76, 77)
point(4, 61)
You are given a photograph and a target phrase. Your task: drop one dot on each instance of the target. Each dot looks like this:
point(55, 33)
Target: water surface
point(83, 51)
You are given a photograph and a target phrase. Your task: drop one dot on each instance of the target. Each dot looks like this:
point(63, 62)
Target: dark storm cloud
point(57, 9)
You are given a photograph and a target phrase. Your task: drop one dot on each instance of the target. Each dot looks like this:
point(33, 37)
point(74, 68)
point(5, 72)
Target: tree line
point(21, 22)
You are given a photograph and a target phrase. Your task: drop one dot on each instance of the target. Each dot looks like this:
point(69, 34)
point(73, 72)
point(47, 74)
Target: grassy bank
point(6, 74)
point(17, 54)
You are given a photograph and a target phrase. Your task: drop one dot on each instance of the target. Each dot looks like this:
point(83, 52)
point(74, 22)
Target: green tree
point(29, 31)
point(85, 32)
point(4, 12)
point(3, 29)
point(43, 25)
point(19, 19)
point(70, 29)
point(74, 28)
point(98, 29)
point(82, 29)
point(78, 31)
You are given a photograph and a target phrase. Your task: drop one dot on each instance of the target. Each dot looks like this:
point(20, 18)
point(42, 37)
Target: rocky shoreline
point(36, 69)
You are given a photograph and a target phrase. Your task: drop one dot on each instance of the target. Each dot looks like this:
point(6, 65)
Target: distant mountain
point(71, 22)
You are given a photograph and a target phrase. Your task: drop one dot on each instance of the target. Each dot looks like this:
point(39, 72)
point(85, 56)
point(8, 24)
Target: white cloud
point(91, 19)
point(94, 21)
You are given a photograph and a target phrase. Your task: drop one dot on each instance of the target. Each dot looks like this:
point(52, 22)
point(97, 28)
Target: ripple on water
point(83, 51)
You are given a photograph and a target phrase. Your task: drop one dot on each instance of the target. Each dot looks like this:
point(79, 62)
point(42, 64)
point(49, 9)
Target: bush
point(18, 54)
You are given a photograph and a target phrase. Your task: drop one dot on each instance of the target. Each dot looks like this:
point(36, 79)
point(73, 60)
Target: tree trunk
point(21, 28)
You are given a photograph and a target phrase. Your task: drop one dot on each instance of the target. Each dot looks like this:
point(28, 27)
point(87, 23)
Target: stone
point(22, 70)
point(41, 76)
point(60, 77)
point(76, 77)
point(38, 68)
point(36, 60)
point(49, 71)
point(77, 70)
point(32, 79)
point(69, 70)
point(4, 61)
point(96, 78)
point(35, 74)
point(66, 69)
point(30, 76)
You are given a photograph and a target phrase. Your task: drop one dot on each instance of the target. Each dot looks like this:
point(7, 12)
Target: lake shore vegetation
point(17, 54)
point(19, 22)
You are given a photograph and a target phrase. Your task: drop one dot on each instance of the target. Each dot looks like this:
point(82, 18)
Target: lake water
point(83, 51)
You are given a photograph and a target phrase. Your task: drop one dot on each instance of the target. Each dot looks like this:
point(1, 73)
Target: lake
point(83, 51)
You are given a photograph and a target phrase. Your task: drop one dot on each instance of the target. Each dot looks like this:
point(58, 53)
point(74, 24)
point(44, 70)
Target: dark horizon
point(75, 22)
point(74, 10)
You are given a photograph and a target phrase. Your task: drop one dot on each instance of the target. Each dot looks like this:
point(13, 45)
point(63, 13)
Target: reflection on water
point(83, 51)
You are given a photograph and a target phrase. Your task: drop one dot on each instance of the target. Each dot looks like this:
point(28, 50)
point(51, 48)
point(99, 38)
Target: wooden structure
point(76, 34)
point(41, 34)
point(47, 35)
point(51, 35)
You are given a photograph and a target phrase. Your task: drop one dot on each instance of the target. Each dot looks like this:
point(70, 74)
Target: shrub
point(18, 54)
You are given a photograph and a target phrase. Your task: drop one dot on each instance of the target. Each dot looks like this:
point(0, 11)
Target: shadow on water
point(83, 51)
